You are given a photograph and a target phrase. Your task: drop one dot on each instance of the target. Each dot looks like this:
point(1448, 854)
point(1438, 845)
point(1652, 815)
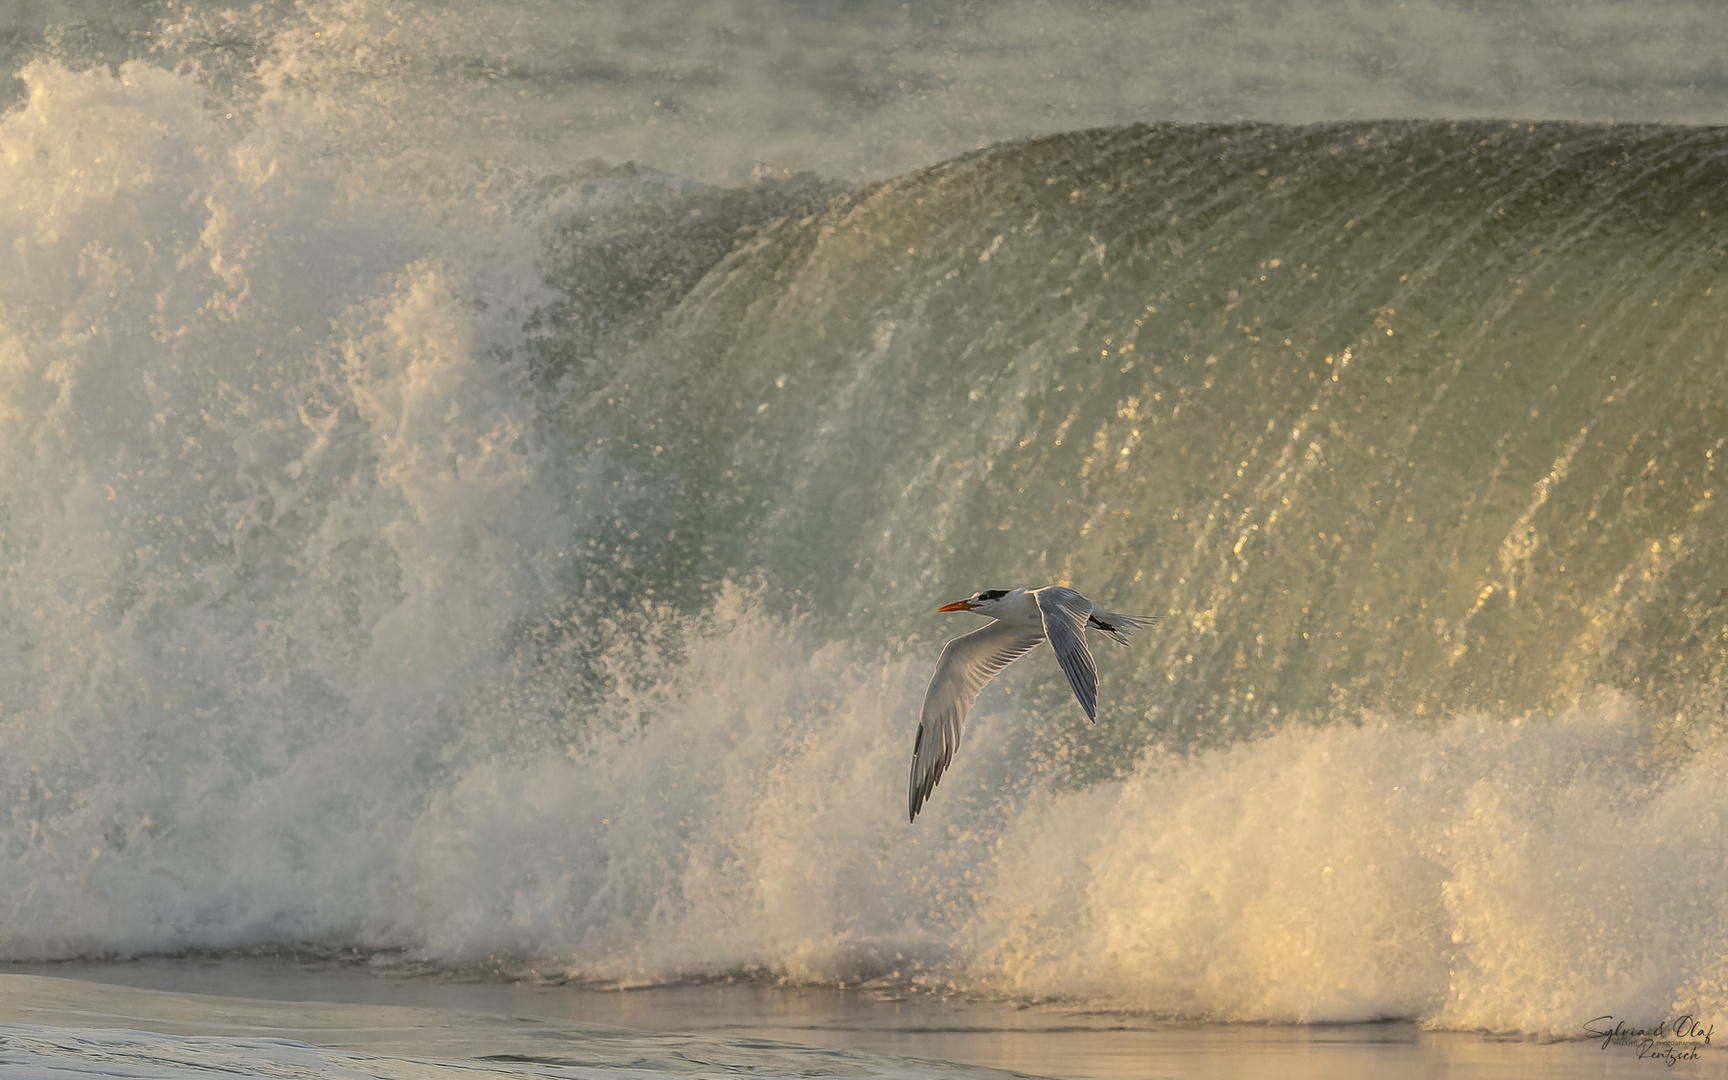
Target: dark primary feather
point(1118, 627)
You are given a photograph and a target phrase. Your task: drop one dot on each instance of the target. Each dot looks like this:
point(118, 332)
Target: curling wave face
point(419, 552)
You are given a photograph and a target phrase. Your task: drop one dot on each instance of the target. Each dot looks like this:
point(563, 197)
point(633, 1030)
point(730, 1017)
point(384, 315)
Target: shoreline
point(754, 1028)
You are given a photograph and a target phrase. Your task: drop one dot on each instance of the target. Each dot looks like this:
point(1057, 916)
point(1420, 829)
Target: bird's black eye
point(993, 594)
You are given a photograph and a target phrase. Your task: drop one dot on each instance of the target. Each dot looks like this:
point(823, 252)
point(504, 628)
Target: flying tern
point(1023, 618)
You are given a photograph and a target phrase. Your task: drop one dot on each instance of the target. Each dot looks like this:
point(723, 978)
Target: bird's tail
point(1119, 627)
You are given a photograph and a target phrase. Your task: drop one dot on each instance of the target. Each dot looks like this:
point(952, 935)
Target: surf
point(536, 563)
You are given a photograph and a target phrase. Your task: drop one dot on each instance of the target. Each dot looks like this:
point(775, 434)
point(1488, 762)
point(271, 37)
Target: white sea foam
point(1522, 875)
point(262, 479)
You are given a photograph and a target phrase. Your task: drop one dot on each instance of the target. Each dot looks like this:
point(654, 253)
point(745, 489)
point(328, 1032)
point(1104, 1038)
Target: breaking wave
point(458, 557)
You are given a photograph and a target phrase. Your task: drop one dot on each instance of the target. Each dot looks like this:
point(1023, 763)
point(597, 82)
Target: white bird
point(1024, 617)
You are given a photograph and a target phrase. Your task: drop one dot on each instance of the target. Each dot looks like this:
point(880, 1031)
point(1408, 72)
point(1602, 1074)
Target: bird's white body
point(1022, 618)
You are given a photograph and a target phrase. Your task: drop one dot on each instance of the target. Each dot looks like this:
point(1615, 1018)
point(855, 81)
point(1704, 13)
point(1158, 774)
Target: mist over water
point(424, 531)
point(862, 91)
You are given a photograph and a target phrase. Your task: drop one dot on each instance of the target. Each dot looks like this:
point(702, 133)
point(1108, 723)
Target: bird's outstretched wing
point(1065, 615)
point(968, 662)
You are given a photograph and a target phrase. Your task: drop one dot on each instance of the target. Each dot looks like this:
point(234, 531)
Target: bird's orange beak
point(958, 605)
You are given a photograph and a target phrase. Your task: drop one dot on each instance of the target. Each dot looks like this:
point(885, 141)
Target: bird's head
point(988, 602)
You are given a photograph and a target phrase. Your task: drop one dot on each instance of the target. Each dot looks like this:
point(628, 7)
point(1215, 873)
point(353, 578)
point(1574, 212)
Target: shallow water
point(288, 998)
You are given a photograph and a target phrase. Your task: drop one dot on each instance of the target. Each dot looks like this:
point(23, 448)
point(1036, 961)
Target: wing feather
point(968, 663)
point(1066, 613)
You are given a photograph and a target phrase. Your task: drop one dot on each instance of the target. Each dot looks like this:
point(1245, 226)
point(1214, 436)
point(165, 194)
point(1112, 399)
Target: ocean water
point(454, 512)
point(258, 1016)
point(108, 1030)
